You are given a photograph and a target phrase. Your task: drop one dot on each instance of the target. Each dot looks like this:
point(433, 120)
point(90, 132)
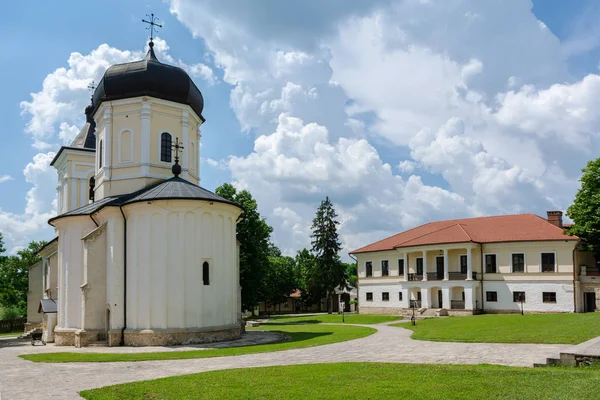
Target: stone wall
point(64, 337)
point(167, 337)
point(381, 310)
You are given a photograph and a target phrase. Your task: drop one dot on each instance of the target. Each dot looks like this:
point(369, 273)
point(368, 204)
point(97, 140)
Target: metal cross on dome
point(151, 25)
point(178, 147)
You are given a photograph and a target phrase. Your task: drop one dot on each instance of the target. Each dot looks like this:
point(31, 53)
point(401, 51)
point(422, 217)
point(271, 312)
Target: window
point(369, 296)
point(463, 264)
point(401, 266)
point(385, 296)
point(548, 262)
point(385, 268)
point(165, 147)
point(100, 155)
point(205, 273)
point(519, 297)
point(490, 263)
point(400, 296)
point(518, 262)
point(549, 297)
point(369, 268)
point(491, 296)
point(419, 265)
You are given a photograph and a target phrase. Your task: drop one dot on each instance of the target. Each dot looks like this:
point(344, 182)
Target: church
point(143, 256)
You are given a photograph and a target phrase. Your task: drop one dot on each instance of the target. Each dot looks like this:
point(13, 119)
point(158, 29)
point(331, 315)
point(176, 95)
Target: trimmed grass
point(7, 334)
point(509, 328)
point(302, 336)
point(366, 381)
point(365, 319)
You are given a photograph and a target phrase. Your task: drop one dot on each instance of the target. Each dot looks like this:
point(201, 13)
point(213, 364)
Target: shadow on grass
point(307, 321)
point(301, 336)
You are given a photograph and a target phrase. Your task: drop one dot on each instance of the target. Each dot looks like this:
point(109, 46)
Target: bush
point(10, 313)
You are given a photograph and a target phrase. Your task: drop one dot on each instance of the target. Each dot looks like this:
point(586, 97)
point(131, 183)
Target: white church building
point(143, 255)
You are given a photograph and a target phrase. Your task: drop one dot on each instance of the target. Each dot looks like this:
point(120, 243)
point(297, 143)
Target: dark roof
point(47, 244)
point(87, 136)
point(47, 306)
point(69, 148)
point(148, 77)
point(174, 188)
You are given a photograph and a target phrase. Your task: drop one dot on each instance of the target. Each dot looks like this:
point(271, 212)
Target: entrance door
point(590, 302)
point(440, 302)
point(439, 267)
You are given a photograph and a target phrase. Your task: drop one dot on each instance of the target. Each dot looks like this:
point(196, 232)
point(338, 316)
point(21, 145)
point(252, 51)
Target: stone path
point(22, 379)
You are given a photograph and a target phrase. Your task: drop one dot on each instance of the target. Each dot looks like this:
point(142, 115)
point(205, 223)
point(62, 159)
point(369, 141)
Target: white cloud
point(5, 178)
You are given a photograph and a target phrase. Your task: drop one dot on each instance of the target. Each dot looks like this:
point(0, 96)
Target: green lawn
point(11, 334)
point(302, 336)
point(509, 328)
point(367, 319)
point(366, 381)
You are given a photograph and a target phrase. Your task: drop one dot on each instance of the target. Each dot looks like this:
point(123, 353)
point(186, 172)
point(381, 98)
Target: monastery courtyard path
point(21, 379)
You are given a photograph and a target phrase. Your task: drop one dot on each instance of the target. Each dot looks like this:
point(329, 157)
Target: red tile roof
point(502, 228)
point(296, 293)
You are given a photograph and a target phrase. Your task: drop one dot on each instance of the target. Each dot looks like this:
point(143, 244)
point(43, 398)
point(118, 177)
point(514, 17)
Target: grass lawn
point(8, 334)
point(367, 319)
point(366, 381)
point(509, 328)
point(302, 336)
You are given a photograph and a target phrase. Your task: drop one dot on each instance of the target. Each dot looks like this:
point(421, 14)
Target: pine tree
point(329, 272)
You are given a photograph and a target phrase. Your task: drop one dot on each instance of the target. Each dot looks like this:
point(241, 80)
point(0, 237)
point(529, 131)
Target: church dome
point(148, 77)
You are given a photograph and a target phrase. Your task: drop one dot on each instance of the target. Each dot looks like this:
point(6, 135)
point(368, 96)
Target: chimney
point(555, 218)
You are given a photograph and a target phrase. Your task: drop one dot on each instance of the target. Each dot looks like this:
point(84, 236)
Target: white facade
point(534, 291)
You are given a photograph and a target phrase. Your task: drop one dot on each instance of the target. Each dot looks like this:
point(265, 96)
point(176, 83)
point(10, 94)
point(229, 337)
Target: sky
point(401, 111)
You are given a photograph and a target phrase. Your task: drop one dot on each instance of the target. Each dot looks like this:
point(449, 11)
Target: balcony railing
point(434, 276)
point(457, 304)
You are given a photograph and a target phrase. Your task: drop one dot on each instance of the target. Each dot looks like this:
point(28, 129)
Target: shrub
point(10, 313)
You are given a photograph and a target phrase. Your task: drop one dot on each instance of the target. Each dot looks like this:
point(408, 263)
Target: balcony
point(434, 276)
point(457, 304)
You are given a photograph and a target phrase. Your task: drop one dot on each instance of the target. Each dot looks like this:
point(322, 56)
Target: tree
point(585, 210)
point(280, 280)
point(254, 234)
point(350, 269)
point(14, 276)
point(305, 266)
point(329, 272)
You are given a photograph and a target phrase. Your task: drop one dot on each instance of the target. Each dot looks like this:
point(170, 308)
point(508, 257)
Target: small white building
point(499, 264)
point(144, 256)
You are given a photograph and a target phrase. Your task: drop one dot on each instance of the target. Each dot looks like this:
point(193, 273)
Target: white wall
point(167, 243)
point(533, 296)
point(377, 290)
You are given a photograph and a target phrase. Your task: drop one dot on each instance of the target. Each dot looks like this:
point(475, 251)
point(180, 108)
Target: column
point(184, 138)
point(446, 298)
point(469, 298)
point(446, 273)
point(198, 149)
point(405, 266)
point(469, 267)
point(107, 144)
point(145, 142)
point(424, 265)
point(425, 298)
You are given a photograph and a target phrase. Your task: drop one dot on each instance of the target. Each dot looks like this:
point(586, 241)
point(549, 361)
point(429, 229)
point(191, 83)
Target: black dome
point(148, 77)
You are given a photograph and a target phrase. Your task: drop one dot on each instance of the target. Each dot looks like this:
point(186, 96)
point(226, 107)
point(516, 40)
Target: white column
point(469, 298)
point(469, 267)
point(145, 143)
point(406, 266)
point(446, 273)
point(424, 265)
point(446, 298)
point(107, 147)
point(184, 138)
point(425, 298)
point(198, 149)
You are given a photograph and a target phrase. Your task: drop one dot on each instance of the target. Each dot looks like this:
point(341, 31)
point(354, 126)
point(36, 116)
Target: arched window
point(100, 155)
point(165, 147)
point(205, 272)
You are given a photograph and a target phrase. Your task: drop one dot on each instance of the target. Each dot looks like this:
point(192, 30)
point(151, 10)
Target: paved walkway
point(22, 379)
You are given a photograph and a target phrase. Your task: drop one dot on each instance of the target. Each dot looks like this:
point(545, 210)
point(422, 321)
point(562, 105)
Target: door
point(590, 302)
point(439, 267)
point(440, 302)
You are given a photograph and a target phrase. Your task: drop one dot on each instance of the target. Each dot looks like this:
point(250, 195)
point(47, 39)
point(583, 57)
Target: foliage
point(335, 381)
point(254, 234)
point(301, 336)
point(351, 278)
point(14, 277)
point(305, 265)
point(9, 313)
point(509, 328)
point(585, 210)
point(329, 273)
point(280, 280)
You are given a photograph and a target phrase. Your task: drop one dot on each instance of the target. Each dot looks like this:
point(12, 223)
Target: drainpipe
point(356, 262)
point(92, 217)
point(482, 271)
point(124, 277)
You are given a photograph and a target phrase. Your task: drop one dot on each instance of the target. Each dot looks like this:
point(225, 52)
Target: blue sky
point(444, 111)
